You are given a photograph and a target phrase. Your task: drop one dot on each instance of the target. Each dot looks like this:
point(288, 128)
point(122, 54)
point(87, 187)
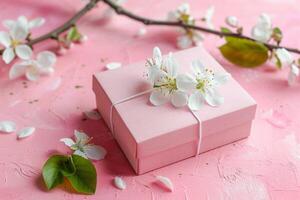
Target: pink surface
point(144, 130)
point(265, 166)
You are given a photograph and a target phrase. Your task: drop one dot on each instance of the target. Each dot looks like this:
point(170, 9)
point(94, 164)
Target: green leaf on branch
point(244, 53)
point(84, 180)
point(80, 172)
point(226, 30)
point(73, 34)
point(52, 171)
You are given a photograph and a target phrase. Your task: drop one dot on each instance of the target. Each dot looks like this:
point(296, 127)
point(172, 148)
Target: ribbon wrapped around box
point(155, 136)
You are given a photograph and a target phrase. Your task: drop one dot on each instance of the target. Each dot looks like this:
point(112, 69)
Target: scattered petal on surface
point(276, 118)
point(119, 183)
point(92, 114)
point(113, 65)
point(141, 32)
point(166, 182)
point(7, 126)
point(25, 132)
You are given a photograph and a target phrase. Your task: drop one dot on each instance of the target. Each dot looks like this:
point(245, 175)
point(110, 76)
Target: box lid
point(155, 129)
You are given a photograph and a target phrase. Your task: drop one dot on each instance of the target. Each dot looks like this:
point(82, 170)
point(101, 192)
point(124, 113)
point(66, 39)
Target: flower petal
point(9, 24)
point(171, 65)
point(213, 98)
point(17, 70)
point(81, 136)
point(197, 67)
point(293, 74)
point(119, 183)
point(23, 51)
point(284, 56)
point(166, 182)
point(157, 57)
point(23, 21)
point(67, 141)
point(195, 101)
point(80, 153)
point(159, 97)
point(25, 132)
point(179, 98)
point(113, 65)
point(5, 39)
point(8, 55)
point(184, 42)
point(32, 74)
point(94, 152)
point(46, 59)
point(7, 126)
point(19, 32)
point(36, 22)
point(185, 82)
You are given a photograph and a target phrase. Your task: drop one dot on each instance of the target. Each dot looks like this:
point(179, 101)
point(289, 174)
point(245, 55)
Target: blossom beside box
point(155, 136)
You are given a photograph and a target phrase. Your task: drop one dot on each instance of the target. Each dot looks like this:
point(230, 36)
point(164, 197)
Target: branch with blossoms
point(262, 46)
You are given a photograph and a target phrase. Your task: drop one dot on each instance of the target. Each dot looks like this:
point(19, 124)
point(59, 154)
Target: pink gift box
point(155, 136)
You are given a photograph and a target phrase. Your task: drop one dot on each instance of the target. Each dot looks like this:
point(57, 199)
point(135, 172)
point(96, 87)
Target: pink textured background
point(265, 166)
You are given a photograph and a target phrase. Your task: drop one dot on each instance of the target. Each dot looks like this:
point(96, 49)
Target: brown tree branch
point(121, 11)
point(54, 34)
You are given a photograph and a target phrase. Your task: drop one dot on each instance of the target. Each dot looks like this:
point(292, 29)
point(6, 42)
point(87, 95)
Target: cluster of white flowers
point(168, 85)
point(14, 42)
point(189, 37)
point(264, 31)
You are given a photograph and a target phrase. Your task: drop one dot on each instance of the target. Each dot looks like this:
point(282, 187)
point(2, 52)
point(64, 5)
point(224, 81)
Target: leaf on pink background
point(276, 118)
point(166, 182)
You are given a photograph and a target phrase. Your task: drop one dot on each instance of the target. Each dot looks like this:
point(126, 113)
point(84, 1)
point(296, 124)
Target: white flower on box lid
point(202, 84)
point(162, 75)
point(24, 22)
point(262, 31)
point(33, 68)
point(82, 147)
point(13, 43)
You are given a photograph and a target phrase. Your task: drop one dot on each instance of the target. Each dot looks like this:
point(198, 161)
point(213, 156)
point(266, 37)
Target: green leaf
point(245, 53)
point(73, 34)
point(84, 179)
point(226, 30)
point(52, 170)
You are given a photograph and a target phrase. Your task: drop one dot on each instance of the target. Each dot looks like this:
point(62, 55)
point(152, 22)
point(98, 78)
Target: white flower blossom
point(284, 56)
point(202, 84)
point(293, 74)
point(209, 13)
point(24, 22)
point(162, 75)
point(232, 21)
point(82, 147)
point(189, 38)
point(32, 69)
point(262, 31)
point(182, 13)
point(13, 41)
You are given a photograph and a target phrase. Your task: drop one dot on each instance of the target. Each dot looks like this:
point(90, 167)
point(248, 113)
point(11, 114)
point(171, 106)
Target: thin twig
point(121, 11)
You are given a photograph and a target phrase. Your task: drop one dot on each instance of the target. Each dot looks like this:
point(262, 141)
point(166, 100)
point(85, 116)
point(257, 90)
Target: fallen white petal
point(25, 132)
point(119, 183)
point(7, 126)
point(166, 182)
point(113, 65)
point(92, 114)
point(232, 21)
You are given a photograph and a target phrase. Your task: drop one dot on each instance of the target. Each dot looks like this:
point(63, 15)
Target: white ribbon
point(145, 92)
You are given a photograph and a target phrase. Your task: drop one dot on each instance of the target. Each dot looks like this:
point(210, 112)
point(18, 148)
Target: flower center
point(168, 83)
point(206, 81)
point(15, 43)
